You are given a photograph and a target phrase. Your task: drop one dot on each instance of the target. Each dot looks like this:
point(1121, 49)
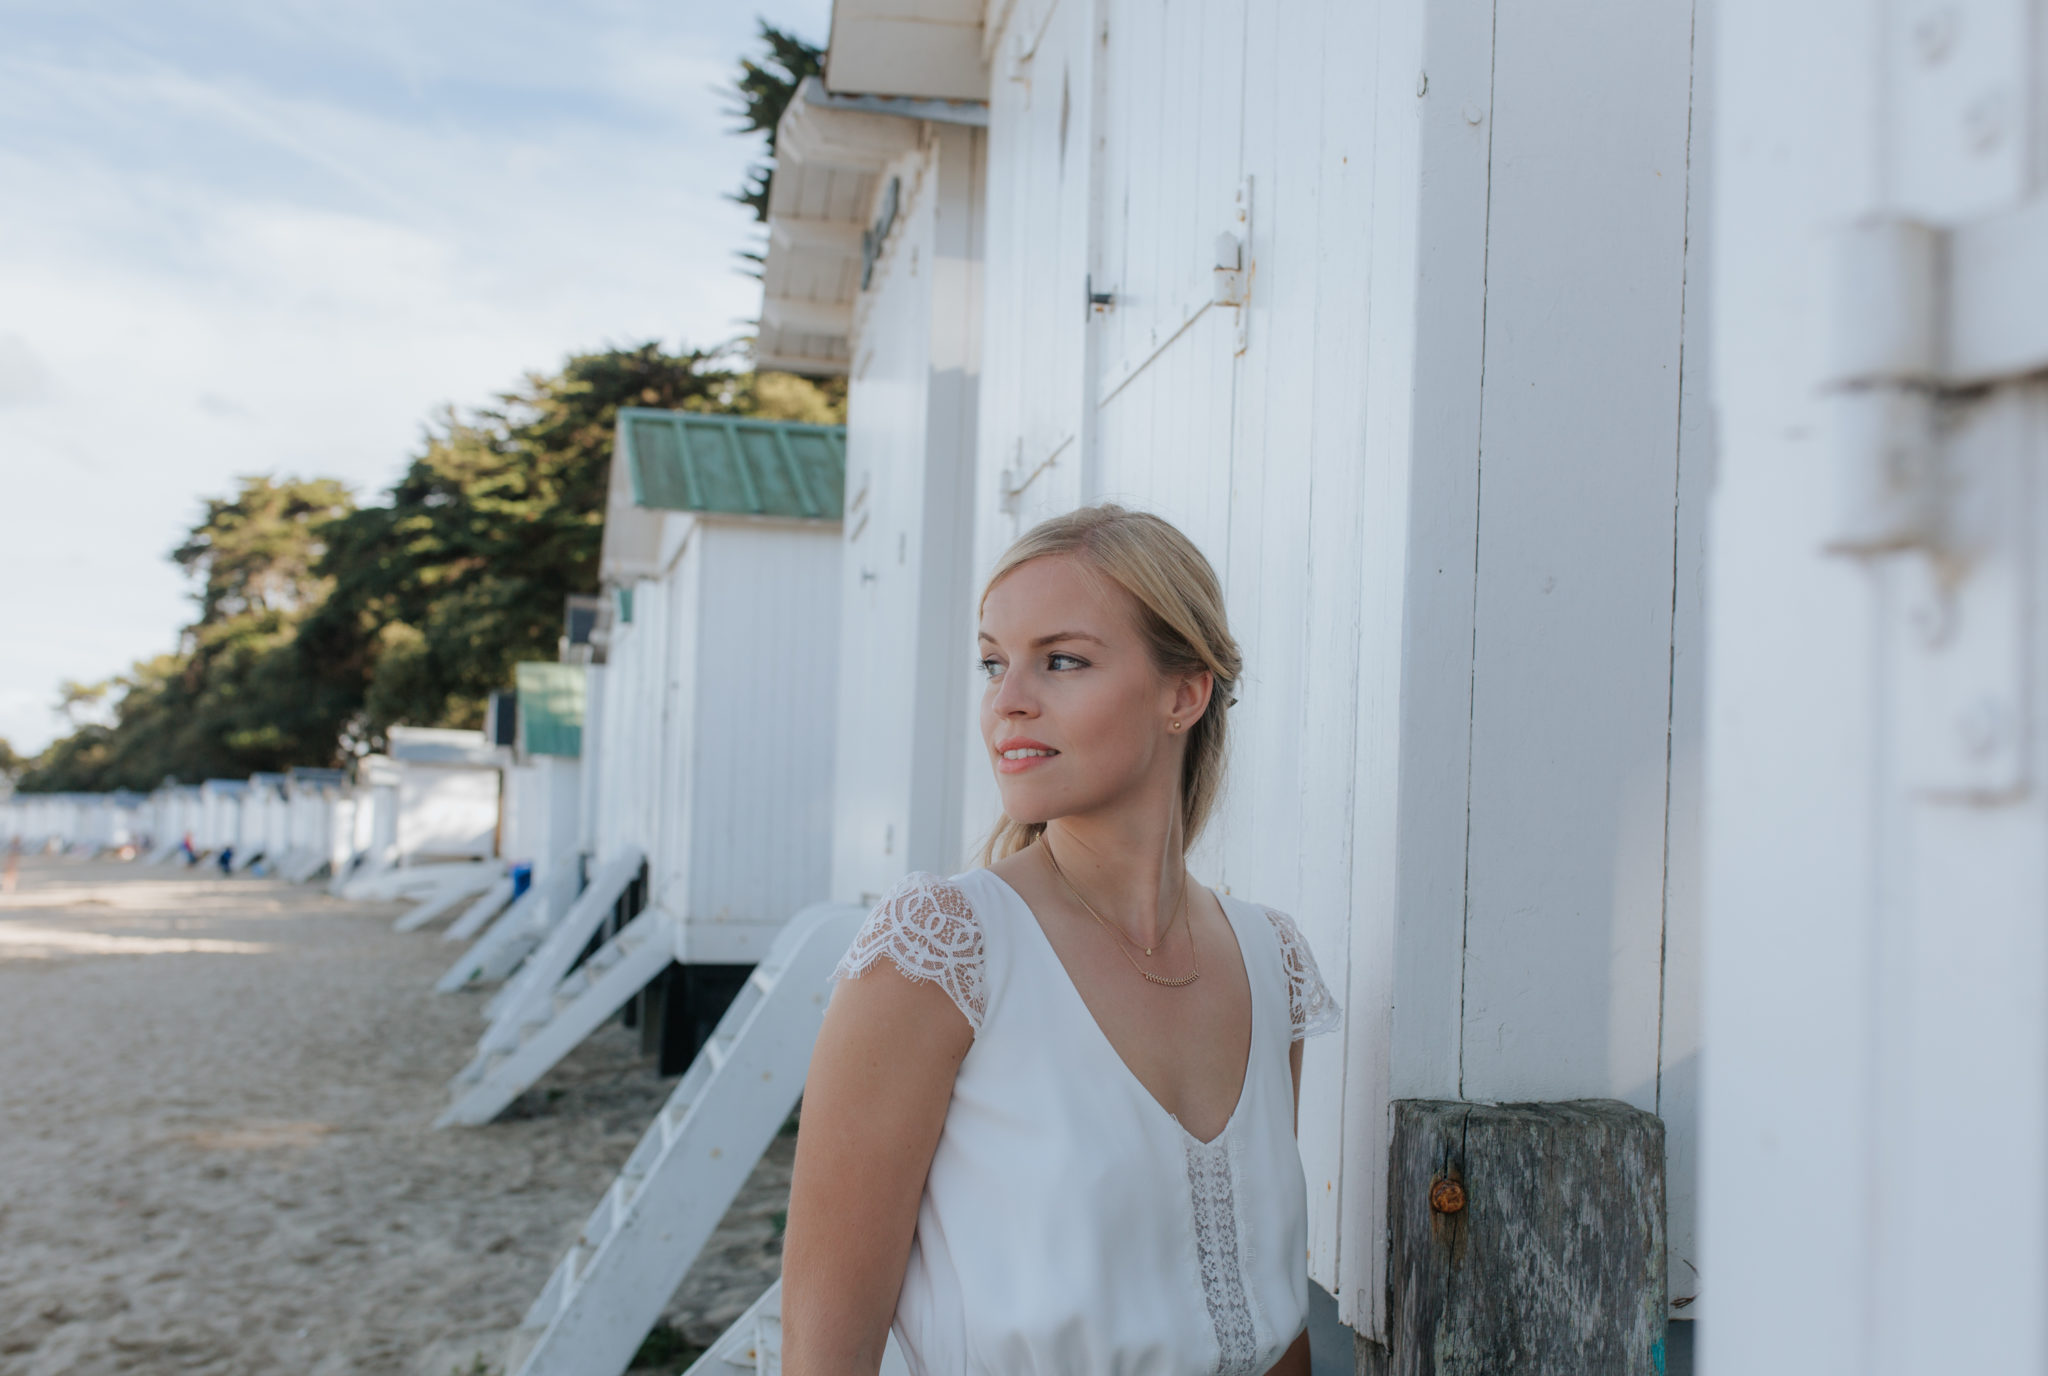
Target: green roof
point(686, 461)
point(550, 708)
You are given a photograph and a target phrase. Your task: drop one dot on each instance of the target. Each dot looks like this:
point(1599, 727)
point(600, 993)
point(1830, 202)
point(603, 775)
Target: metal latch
point(1233, 279)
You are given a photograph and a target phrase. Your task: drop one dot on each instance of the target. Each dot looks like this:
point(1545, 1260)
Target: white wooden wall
point(1445, 478)
point(446, 811)
point(714, 735)
point(760, 818)
point(905, 581)
point(1875, 1183)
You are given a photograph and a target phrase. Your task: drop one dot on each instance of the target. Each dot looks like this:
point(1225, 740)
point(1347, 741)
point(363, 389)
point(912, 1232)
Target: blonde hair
point(1179, 602)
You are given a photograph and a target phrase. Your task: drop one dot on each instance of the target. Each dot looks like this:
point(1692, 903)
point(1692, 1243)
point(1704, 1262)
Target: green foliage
point(321, 624)
point(499, 518)
point(765, 87)
point(11, 760)
point(234, 698)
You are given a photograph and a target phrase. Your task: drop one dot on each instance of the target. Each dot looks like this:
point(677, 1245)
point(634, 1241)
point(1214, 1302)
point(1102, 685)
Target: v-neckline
point(1244, 1079)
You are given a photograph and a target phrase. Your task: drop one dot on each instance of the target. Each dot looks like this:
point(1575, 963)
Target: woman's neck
point(1128, 865)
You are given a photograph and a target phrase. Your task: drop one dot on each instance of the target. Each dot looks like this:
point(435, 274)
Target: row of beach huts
point(1613, 428)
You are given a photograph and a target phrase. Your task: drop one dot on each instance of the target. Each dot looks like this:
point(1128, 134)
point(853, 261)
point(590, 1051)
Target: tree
point(11, 761)
point(321, 624)
point(234, 698)
point(497, 520)
point(765, 87)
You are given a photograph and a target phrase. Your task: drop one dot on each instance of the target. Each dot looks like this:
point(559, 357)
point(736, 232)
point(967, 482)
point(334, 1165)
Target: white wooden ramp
point(451, 889)
point(530, 989)
point(517, 933)
point(518, 1049)
point(488, 905)
point(607, 1292)
point(754, 1344)
point(381, 886)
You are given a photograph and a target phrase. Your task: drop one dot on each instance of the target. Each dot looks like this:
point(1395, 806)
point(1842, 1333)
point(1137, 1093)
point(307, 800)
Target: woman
point(1048, 1126)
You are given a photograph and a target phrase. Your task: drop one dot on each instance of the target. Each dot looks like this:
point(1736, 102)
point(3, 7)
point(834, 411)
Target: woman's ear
point(1191, 698)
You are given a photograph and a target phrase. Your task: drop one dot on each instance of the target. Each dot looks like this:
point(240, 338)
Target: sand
point(216, 1151)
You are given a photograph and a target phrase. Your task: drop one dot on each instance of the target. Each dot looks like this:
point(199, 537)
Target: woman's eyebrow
point(1052, 639)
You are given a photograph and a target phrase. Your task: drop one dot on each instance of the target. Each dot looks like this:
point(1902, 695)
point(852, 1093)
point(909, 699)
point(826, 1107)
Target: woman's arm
point(874, 1103)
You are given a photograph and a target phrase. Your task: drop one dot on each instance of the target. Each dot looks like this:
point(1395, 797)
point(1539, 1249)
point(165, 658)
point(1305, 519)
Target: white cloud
point(278, 240)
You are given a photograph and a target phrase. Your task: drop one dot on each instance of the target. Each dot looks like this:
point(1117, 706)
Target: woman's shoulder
point(927, 928)
point(1312, 1008)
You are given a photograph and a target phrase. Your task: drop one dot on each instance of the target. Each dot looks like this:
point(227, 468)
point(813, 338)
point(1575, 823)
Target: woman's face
point(1076, 715)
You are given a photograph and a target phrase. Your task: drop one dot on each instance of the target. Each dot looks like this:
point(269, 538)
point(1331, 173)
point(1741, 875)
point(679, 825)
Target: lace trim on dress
point(1216, 1250)
point(928, 930)
point(1312, 1009)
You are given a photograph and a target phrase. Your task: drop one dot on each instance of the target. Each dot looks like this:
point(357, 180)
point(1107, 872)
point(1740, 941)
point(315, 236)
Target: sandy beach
point(216, 1151)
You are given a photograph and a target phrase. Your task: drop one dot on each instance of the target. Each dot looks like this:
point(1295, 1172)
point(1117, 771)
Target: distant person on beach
point(227, 859)
point(1049, 1124)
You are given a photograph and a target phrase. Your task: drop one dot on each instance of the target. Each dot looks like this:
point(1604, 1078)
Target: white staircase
point(488, 905)
point(517, 933)
point(529, 989)
point(451, 889)
point(521, 1047)
point(608, 1291)
point(754, 1344)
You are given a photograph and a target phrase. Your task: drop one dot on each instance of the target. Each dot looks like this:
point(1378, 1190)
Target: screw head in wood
point(1447, 1197)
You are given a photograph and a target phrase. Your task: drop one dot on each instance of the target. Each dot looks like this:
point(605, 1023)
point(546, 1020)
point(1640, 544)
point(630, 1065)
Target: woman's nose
point(1012, 698)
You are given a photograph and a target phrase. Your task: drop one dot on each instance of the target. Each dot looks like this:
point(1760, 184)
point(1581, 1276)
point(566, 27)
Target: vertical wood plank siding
point(1442, 484)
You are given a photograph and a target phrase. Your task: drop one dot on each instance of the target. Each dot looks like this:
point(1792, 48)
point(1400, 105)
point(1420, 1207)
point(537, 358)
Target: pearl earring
point(1176, 726)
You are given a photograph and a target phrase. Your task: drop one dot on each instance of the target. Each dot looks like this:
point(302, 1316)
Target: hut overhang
point(828, 211)
point(686, 463)
point(926, 48)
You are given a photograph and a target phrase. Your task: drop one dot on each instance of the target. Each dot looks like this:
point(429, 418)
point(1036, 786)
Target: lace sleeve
point(926, 929)
point(1313, 1010)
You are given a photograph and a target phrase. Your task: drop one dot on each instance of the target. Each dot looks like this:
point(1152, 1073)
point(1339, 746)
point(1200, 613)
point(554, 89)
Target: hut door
point(1168, 182)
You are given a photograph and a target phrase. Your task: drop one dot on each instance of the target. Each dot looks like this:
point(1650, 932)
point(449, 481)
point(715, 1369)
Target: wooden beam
point(1527, 1239)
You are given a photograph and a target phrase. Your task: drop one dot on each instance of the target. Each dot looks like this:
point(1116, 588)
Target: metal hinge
point(1930, 474)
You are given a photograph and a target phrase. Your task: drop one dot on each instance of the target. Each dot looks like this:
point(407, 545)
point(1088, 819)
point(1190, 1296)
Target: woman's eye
point(990, 667)
point(1060, 662)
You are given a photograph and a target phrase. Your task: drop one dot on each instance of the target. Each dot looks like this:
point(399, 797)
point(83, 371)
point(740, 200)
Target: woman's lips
point(1016, 756)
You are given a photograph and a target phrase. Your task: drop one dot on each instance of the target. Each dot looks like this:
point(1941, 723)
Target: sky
point(271, 236)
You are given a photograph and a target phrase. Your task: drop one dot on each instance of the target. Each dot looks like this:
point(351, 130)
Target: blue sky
point(266, 236)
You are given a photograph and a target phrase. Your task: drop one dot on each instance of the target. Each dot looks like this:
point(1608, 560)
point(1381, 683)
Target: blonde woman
point(1049, 1125)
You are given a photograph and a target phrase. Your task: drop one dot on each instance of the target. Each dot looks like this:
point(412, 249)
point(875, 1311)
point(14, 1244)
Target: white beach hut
point(220, 816)
point(266, 827)
point(544, 787)
point(312, 797)
point(447, 794)
point(1388, 308)
point(713, 732)
point(542, 827)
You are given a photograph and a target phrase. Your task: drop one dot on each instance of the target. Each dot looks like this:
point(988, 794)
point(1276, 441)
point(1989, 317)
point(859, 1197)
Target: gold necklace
point(1123, 942)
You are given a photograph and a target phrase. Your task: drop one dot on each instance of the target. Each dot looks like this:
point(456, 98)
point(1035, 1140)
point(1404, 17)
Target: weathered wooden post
point(1526, 1239)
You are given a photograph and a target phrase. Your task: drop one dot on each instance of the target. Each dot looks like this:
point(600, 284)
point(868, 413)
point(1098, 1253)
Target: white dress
point(1070, 1226)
